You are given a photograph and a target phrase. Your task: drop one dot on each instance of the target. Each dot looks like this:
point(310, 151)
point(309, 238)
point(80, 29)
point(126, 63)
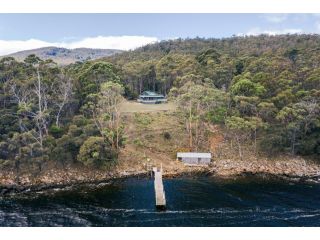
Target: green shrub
point(79, 120)
point(56, 131)
point(74, 131)
point(217, 115)
point(137, 142)
point(149, 136)
point(91, 130)
point(272, 144)
point(310, 145)
point(94, 152)
point(166, 135)
point(142, 119)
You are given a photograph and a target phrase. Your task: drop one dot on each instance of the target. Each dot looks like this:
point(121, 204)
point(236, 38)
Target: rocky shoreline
point(10, 189)
point(287, 168)
point(297, 169)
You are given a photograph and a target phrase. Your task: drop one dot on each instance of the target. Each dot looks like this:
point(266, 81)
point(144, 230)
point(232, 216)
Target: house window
point(199, 160)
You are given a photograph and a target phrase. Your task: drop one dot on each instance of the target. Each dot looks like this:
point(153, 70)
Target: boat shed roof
point(193, 155)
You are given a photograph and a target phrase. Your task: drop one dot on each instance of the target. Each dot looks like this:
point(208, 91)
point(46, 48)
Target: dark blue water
point(199, 201)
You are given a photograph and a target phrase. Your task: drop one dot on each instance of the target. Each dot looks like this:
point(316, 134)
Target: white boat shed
point(194, 158)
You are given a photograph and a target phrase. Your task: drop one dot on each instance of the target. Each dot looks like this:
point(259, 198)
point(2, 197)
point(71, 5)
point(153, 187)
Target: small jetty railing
point(159, 189)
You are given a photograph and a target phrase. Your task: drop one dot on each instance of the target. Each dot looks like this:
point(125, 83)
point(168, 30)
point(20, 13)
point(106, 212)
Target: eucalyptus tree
point(195, 101)
point(106, 113)
point(32, 99)
point(62, 91)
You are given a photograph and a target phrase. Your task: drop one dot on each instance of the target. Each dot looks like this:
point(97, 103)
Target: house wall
point(190, 160)
point(152, 101)
point(205, 161)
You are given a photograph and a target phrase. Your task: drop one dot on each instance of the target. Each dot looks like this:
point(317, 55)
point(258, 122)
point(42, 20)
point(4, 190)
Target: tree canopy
point(264, 89)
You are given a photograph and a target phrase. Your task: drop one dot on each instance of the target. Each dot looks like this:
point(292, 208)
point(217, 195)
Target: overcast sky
point(128, 31)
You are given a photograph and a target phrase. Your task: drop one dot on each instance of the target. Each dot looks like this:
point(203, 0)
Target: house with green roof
point(149, 97)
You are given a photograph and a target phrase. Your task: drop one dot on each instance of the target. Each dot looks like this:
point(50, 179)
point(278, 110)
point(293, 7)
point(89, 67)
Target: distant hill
point(64, 56)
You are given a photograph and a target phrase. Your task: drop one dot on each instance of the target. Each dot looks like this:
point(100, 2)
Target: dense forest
point(264, 90)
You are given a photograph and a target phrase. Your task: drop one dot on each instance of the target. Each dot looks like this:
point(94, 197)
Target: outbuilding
point(194, 158)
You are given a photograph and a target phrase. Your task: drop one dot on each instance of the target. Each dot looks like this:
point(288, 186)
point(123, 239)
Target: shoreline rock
point(298, 171)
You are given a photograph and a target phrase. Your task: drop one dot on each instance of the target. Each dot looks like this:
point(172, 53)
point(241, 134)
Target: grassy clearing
point(133, 106)
point(155, 136)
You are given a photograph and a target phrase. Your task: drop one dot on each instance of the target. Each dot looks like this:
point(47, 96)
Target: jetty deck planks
point(159, 189)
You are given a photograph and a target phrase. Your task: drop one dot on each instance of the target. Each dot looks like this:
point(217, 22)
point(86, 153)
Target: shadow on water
point(201, 201)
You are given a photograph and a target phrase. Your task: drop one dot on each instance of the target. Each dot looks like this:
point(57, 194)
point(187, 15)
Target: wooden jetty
point(159, 190)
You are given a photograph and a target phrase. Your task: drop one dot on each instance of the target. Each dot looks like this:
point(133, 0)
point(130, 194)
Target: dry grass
point(145, 134)
point(133, 106)
point(159, 135)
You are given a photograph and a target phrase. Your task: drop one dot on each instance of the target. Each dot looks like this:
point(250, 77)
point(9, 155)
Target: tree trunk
point(140, 86)
point(255, 141)
point(239, 147)
point(293, 142)
point(190, 125)
point(117, 129)
point(40, 110)
point(58, 116)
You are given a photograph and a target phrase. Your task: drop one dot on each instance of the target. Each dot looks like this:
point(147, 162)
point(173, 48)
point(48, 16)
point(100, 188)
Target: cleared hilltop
point(65, 56)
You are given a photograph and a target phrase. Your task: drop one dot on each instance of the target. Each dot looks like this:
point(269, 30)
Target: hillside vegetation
point(252, 94)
